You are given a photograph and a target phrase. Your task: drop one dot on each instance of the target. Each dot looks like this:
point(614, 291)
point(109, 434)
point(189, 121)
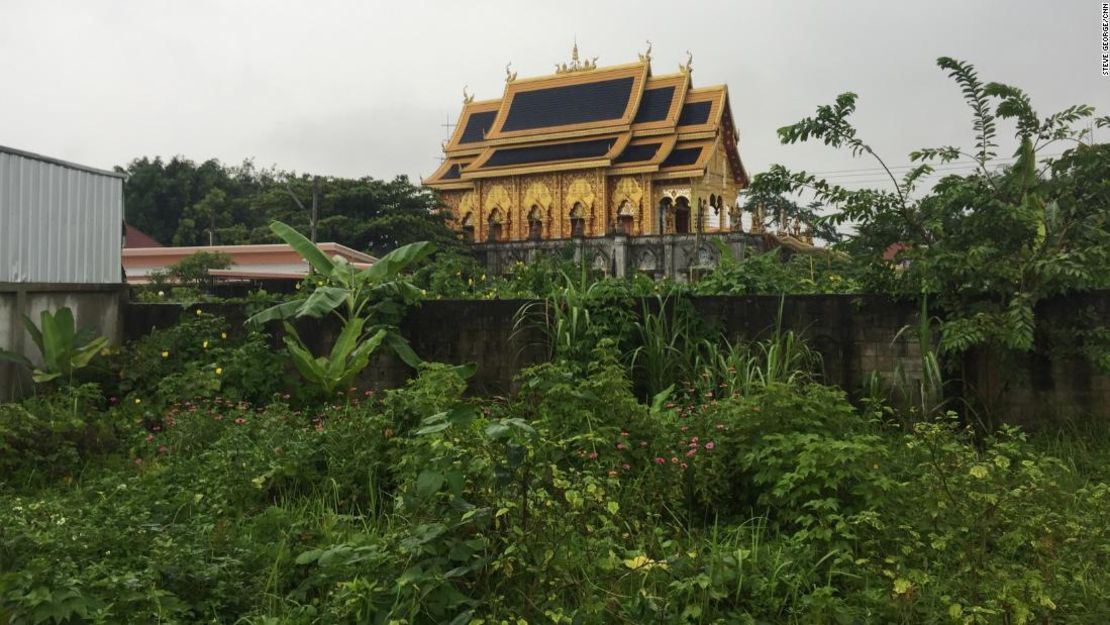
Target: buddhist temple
point(592, 151)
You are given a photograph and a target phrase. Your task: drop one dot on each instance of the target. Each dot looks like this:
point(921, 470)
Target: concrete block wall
point(95, 306)
point(855, 335)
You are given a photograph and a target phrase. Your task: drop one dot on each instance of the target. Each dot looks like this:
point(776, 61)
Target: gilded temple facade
point(593, 152)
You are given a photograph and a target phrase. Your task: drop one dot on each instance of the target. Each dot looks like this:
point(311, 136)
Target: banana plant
point(64, 348)
point(368, 302)
point(350, 355)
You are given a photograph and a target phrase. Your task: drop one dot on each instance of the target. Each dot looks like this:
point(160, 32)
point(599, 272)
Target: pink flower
point(621, 446)
point(162, 449)
point(674, 459)
point(626, 466)
point(593, 455)
point(138, 461)
point(643, 444)
point(218, 417)
point(684, 466)
point(624, 434)
point(691, 453)
point(710, 445)
point(694, 440)
point(659, 460)
point(684, 428)
point(149, 437)
point(240, 421)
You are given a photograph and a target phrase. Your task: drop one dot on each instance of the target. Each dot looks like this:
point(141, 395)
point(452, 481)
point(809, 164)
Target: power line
point(908, 167)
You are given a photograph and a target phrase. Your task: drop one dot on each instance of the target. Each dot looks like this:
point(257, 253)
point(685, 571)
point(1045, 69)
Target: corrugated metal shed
point(59, 222)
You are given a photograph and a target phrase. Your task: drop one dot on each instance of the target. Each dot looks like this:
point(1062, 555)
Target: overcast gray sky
point(355, 88)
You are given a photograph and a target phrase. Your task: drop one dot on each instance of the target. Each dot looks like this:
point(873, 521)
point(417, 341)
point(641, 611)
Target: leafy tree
point(187, 203)
point(781, 211)
point(989, 245)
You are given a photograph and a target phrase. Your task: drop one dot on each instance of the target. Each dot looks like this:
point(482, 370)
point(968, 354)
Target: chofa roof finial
point(467, 96)
point(646, 55)
point(687, 67)
point(509, 75)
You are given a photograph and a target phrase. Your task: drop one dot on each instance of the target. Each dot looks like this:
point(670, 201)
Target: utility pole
point(315, 196)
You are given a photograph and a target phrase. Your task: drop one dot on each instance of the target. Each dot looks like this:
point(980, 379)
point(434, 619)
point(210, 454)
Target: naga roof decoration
point(621, 118)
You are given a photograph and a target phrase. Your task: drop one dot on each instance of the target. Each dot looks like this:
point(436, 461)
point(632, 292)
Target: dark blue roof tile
point(685, 156)
point(654, 105)
point(694, 113)
point(594, 148)
point(477, 126)
point(638, 153)
point(452, 173)
point(572, 104)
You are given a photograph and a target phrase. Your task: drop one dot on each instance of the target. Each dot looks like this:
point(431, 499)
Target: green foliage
point(570, 501)
point(199, 357)
point(369, 303)
point(984, 247)
point(348, 357)
point(63, 347)
point(185, 203)
point(768, 273)
point(46, 437)
point(192, 271)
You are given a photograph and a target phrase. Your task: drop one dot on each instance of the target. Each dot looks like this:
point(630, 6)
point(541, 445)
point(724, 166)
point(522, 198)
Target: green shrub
point(199, 357)
point(49, 436)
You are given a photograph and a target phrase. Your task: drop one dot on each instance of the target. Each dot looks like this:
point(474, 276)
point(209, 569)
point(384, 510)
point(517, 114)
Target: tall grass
point(674, 350)
point(667, 344)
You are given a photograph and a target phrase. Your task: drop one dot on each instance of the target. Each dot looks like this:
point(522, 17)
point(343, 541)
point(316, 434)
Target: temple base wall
point(673, 256)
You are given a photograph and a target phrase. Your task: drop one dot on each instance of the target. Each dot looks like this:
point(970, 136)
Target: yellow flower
point(199, 312)
point(205, 344)
point(643, 562)
point(223, 335)
point(165, 354)
point(138, 401)
point(219, 370)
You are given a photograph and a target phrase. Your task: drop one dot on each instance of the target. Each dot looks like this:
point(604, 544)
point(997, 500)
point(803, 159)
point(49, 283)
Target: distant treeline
point(182, 202)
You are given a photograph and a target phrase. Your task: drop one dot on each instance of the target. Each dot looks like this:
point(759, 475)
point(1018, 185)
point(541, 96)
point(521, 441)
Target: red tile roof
point(133, 237)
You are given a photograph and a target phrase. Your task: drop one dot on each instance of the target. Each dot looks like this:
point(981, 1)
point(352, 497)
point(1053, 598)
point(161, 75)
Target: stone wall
point(94, 306)
point(672, 256)
point(855, 335)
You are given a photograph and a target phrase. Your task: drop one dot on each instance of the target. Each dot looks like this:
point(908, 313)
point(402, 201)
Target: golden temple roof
point(619, 117)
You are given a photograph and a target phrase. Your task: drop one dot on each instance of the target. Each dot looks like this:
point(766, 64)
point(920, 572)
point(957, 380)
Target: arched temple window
point(468, 227)
point(496, 221)
point(578, 220)
point(625, 217)
point(664, 208)
point(682, 216)
point(535, 223)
